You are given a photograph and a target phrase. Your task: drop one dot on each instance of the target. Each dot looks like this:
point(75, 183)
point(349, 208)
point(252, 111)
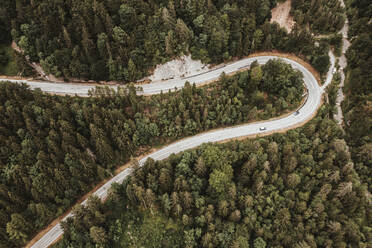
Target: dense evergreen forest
point(306, 188)
point(53, 149)
point(298, 189)
point(123, 40)
point(11, 62)
point(358, 104)
point(321, 16)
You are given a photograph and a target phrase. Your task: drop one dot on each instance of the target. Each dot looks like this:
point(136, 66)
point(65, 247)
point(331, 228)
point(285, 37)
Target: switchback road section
point(301, 116)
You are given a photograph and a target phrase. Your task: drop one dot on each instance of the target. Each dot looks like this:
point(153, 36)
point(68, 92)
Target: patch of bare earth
point(280, 14)
point(181, 67)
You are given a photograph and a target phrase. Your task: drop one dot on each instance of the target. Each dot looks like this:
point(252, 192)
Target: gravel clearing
point(280, 14)
point(182, 67)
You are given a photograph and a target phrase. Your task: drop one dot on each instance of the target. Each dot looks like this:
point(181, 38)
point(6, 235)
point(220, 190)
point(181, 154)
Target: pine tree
point(18, 229)
point(98, 235)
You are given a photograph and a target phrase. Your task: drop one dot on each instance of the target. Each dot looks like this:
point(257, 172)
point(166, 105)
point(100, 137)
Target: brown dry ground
point(127, 165)
point(280, 14)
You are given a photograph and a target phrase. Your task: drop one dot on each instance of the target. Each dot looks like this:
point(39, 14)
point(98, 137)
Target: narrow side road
point(339, 117)
point(342, 61)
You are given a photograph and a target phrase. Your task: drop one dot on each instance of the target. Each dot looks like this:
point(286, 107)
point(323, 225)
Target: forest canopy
point(309, 187)
point(357, 106)
point(322, 16)
point(297, 189)
point(54, 149)
point(122, 40)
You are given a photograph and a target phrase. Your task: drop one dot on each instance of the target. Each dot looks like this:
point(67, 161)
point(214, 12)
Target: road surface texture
point(154, 87)
point(306, 112)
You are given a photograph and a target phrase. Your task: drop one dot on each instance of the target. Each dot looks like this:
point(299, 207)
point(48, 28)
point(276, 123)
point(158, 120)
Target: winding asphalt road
point(157, 86)
point(306, 112)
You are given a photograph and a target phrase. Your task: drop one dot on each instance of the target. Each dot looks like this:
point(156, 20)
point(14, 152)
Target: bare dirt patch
point(280, 14)
point(180, 67)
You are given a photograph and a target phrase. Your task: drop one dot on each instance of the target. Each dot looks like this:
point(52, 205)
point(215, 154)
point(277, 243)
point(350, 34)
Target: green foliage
point(357, 107)
point(259, 243)
point(53, 149)
point(320, 202)
point(98, 235)
point(256, 74)
point(12, 63)
point(322, 63)
point(7, 12)
point(129, 228)
point(18, 229)
point(280, 79)
point(323, 16)
point(219, 181)
point(337, 43)
point(144, 230)
point(124, 40)
point(332, 92)
point(3, 58)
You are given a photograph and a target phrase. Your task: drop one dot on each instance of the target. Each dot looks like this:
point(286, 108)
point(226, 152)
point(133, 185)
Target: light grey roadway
point(306, 112)
point(152, 88)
